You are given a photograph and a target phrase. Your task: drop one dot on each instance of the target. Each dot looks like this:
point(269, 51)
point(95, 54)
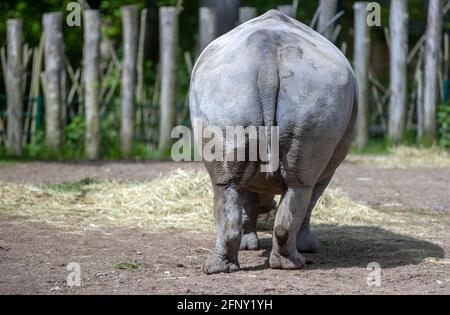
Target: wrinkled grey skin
point(274, 71)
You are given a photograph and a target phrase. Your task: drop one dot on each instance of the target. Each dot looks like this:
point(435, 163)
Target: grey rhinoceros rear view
point(273, 71)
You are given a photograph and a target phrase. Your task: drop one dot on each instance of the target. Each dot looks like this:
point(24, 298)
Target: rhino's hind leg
point(306, 241)
point(228, 216)
point(288, 220)
point(300, 170)
point(250, 212)
point(229, 182)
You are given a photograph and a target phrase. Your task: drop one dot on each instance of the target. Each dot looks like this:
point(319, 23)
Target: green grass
point(6, 163)
point(126, 266)
point(78, 186)
point(378, 147)
point(140, 152)
point(375, 147)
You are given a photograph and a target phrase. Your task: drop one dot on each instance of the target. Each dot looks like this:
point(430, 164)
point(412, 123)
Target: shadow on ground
point(356, 246)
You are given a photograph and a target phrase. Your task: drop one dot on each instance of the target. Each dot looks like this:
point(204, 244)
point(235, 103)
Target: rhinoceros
point(273, 71)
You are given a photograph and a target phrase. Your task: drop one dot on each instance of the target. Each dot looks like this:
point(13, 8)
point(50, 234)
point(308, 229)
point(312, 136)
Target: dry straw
point(181, 199)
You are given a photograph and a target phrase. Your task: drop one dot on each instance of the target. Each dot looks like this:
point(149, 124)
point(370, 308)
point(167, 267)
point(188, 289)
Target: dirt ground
point(33, 257)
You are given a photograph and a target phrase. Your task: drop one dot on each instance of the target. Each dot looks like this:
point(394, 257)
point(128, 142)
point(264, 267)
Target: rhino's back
point(270, 56)
point(250, 42)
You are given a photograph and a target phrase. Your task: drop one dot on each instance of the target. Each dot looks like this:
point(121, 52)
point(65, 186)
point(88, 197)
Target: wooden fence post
point(143, 108)
point(91, 63)
point(14, 85)
point(30, 121)
point(140, 92)
point(328, 10)
point(286, 9)
point(246, 14)
point(227, 13)
point(130, 24)
point(432, 49)
point(208, 27)
point(361, 63)
point(445, 68)
point(418, 76)
point(168, 19)
point(398, 22)
point(54, 66)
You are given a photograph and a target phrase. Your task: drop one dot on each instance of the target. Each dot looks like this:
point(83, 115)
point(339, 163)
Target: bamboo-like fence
point(58, 92)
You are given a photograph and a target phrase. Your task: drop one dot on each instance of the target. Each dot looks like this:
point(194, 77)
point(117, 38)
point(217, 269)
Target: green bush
point(443, 116)
point(74, 138)
point(74, 135)
point(39, 149)
point(110, 136)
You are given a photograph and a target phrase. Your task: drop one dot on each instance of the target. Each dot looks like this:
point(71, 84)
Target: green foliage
point(74, 135)
point(167, 2)
point(126, 266)
point(110, 133)
point(110, 141)
point(79, 186)
point(38, 149)
point(410, 138)
point(375, 147)
point(73, 147)
point(443, 116)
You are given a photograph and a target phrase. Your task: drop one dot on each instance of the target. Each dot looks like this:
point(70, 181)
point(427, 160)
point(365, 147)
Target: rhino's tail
point(268, 84)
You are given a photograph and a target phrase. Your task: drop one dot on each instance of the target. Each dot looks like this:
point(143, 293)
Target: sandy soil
point(33, 257)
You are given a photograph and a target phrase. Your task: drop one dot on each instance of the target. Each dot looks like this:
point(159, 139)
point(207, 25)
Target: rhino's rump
point(274, 71)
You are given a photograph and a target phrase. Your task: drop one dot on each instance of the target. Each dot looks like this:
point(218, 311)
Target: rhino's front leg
point(306, 241)
point(228, 218)
point(250, 213)
point(290, 215)
point(254, 205)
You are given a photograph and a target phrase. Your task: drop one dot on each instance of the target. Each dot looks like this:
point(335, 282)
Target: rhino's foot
point(294, 261)
point(249, 241)
point(218, 264)
point(307, 242)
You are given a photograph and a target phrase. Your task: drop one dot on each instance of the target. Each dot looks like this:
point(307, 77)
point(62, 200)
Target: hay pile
point(181, 199)
point(405, 157)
